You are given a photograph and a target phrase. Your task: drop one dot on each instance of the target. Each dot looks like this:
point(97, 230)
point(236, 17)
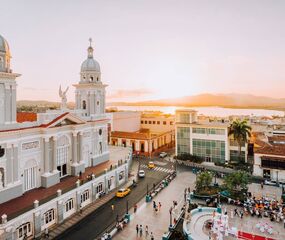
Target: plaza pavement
point(157, 223)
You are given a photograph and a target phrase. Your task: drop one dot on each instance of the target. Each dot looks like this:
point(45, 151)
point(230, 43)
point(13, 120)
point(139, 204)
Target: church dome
point(90, 64)
point(4, 47)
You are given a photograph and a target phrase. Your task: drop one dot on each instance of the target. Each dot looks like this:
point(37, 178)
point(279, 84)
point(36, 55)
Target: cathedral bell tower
point(90, 91)
point(8, 86)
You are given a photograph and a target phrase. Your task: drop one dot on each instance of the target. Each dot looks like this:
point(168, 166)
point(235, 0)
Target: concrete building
point(42, 150)
point(207, 139)
point(143, 132)
point(125, 121)
point(269, 156)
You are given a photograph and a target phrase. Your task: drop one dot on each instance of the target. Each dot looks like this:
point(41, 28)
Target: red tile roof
point(26, 117)
point(130, 135)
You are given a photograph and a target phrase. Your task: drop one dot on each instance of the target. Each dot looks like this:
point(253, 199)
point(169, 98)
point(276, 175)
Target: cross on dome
point(90, 49)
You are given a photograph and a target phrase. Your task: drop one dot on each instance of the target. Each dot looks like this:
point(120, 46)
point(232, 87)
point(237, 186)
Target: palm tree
point(240, 131)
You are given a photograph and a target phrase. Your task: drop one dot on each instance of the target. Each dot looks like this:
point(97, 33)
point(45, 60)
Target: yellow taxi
point(150, 165)
point(123, 192)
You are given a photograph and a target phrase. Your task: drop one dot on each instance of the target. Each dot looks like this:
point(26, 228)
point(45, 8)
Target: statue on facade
point(62, 95)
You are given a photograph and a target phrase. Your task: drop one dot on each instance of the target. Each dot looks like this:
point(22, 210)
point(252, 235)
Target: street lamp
point(127, 203)
point(170, 219)
point(147, 189)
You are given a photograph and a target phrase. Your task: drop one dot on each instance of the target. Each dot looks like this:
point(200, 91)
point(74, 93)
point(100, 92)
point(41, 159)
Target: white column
point(80, 160)
point(74, 148)
point(54, 157)
point(137, 146)
point(146, 146)
point(16, 162)
point(46, 157)
point(150, 146)
point(9, 176)
point(92, 102)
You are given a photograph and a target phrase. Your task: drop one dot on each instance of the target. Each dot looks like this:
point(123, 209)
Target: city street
point(158, 223)
point(96, 223)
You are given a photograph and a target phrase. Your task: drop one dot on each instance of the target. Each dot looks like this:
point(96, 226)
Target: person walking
point(146, 231)
point(46, 233)
point(154, 205)
point(112, 207)
point(236, 212)
point(141, 230)
point(135, 208)
point(151, 236)
point(80, 209)
point(137, 229)
point(159, 206)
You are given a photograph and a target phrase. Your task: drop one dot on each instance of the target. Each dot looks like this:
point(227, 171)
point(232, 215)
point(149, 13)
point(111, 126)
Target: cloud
point(122, 93)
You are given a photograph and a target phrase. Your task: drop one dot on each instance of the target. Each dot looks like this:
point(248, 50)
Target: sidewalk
point(157, 223)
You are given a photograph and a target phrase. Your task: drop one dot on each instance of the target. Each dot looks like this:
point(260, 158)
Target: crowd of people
point(141, 231)
point(265, 207)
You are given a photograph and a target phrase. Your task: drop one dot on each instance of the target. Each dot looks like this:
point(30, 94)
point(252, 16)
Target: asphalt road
point(95, 224)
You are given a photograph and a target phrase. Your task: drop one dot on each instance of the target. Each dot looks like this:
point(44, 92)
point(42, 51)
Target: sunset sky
point(148, 49)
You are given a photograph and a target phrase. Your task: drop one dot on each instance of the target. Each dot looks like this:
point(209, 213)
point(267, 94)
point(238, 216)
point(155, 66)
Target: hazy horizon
point(148, 50)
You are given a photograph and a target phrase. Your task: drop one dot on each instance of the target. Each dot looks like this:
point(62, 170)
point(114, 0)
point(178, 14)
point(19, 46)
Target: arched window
point(84, 104)
point(62, 156)
point(2, 151)
point(100, 131)
point(91, 79)
point(49, 216)
point(2, 64)
point(2, 178)
point(97, 79)
point(24, 231)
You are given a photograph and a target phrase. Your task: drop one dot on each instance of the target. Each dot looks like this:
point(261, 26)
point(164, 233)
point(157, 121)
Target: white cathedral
point(60, 142)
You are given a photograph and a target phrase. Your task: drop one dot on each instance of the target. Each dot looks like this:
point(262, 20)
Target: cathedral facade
point(59, 143)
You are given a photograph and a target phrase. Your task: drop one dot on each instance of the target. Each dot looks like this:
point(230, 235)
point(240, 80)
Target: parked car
point(123, 192)
point(162, 154)
point(141, 173)
point(150, 165)
point(271, 182)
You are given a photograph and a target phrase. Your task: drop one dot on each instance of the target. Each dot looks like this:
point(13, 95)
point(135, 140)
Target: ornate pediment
point(65, 119)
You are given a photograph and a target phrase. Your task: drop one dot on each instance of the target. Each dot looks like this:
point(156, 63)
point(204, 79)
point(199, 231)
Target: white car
point(269, 182)
point(162, 154)
point(141, 174)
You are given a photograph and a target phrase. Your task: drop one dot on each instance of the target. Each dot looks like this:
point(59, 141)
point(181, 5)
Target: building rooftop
point(26, 117)
point(131, 135)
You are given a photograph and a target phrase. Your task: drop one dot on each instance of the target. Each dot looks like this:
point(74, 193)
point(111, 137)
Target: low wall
point(186, 230)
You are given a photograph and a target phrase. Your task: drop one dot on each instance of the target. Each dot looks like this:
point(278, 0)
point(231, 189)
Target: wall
point(125, 121)
point(158, 124)
point(258, 170)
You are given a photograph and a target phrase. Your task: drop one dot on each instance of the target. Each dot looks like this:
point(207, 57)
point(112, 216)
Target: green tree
point(203, 181)
point(237, 181)
point(240, 131)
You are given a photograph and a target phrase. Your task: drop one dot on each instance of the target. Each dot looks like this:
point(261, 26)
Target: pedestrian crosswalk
point(159, 169)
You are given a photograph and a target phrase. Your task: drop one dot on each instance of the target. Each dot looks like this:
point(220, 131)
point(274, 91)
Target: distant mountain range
point(206, 100)
point(41, 104)
point(201, 100)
